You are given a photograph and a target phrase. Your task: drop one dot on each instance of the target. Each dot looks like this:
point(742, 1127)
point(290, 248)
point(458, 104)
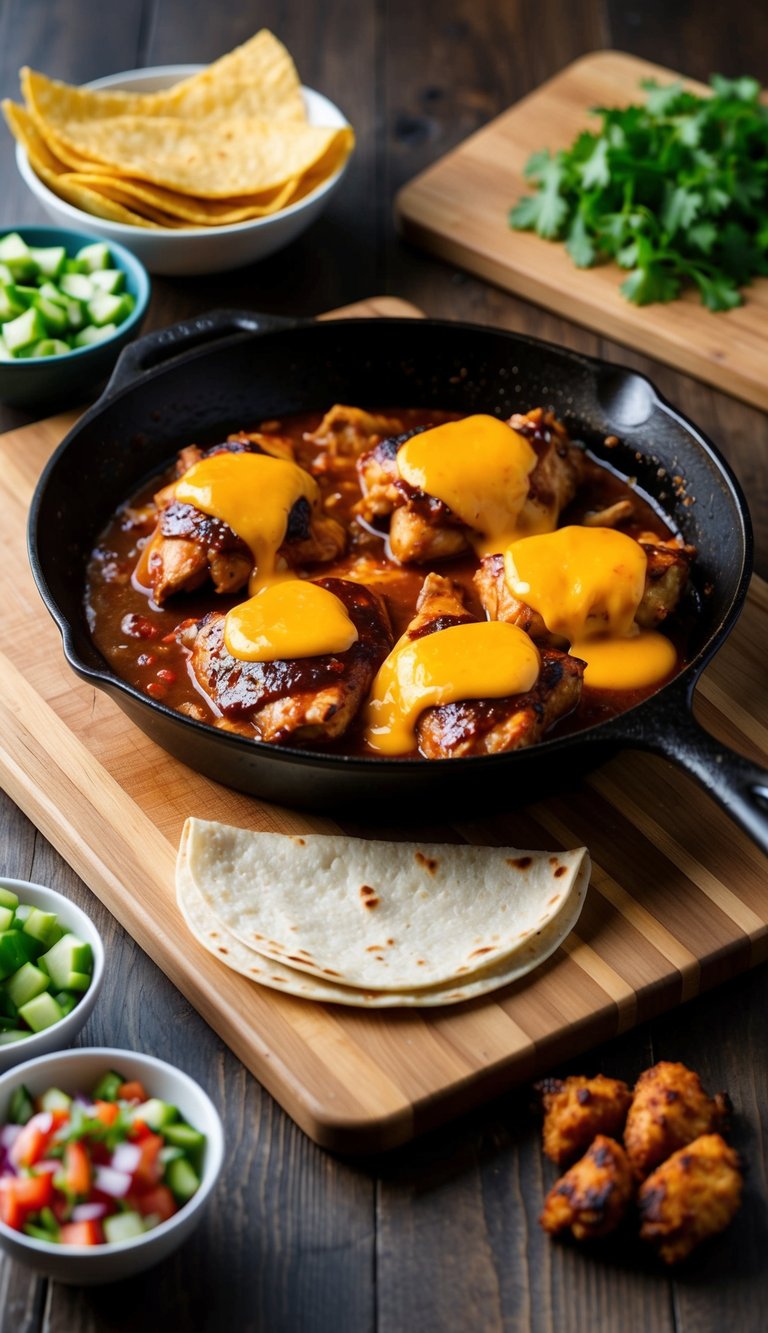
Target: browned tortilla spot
point(214, 934)
point(223, 949)
point(554, 899)
point(369, 896)
point(329, 972)
point(430, 863)
point(487, 948)
point(519, 862)
point(553, 861)
point(374, 948)
point(390, 941)
point(300, 842)
point(255, 969)
point(560, 871)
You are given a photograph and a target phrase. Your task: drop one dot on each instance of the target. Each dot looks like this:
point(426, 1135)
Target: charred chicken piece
point(489, 726)
point(667, 569)
point(578, 1108)
point(694, 1194)
point(666, 574)
point(188, 547)
point(302, 701)
point(592, 1198)
point(669, 1109)
point(423, 528)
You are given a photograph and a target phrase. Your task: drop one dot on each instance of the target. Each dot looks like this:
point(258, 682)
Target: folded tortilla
point(375, 923)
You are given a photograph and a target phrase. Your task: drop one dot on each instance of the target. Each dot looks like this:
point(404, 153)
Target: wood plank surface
point(668, 914)
point(440, 1236)
point(458, 209)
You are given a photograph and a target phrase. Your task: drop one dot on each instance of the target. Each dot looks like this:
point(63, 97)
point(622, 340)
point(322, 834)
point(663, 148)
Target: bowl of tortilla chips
point(196, 169)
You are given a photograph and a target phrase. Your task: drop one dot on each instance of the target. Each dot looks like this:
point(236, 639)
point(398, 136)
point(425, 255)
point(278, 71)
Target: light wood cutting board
point(458, 209)
point(678, 901)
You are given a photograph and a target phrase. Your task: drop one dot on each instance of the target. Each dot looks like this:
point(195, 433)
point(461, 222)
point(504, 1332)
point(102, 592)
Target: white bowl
point(64, 1032)
point(79, 1071)
point(200, 249)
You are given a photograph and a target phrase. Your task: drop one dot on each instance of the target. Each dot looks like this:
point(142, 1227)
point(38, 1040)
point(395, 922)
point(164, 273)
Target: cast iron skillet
point(230, 369)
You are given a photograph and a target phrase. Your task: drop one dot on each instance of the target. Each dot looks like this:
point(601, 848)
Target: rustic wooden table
point(441, 1235)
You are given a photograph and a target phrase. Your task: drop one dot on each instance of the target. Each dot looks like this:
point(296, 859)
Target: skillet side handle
point(154, 349)
point(736, 783)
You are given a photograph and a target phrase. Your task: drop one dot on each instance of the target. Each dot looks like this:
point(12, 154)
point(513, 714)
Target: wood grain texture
point(458, 208)
point(442, 1233)
point(668, 913)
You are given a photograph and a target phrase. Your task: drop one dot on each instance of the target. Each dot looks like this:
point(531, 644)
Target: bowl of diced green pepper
point(51, 970)
point(68, 306)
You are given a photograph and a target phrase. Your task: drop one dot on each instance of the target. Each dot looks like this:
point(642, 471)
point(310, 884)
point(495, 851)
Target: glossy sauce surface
point(138, 639)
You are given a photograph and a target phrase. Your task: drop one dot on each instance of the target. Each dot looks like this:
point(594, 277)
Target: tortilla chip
point(209, 159)
point(248, 962)
point(154, 200)
point(380, 915)
point(258, 78)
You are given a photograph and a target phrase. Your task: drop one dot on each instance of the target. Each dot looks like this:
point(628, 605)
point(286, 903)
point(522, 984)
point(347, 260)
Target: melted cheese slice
point(285, 617)
point(253, 494)
point(290, 618)
point(483, 660)
point(480, 467)
point(587, 584)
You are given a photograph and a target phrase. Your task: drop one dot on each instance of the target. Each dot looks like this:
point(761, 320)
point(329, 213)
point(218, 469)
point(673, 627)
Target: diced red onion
point(9, 1133)
point(109, 1181)
point(126, 1157)
point(89, 1212)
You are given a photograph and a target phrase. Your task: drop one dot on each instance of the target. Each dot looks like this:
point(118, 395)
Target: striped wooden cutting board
point(678, 901)
point(458, 209)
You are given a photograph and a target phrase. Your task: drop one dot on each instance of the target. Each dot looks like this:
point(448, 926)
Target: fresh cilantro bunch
point(675, 191)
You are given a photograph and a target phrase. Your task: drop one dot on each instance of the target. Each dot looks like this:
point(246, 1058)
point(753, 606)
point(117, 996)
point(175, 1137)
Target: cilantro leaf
point(579, 245)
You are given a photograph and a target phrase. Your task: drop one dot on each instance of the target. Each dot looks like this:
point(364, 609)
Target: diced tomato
point(61, 1207)
point(106, 1112)
point(159, 1201)
point(149, 1169)
point(11, 1211)
point(132, 1091)
point(32, 1143)
point(139, 1130)
point(81, 1233)
point(77, 1169)
point(27, 1193)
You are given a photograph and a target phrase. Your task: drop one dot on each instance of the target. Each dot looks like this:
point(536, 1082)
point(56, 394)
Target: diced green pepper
point(26, 983)
point(21, 1107)
point(41, 1013)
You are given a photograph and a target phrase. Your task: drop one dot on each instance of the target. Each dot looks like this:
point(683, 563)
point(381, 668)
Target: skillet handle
point(736, 783)
point(155, 349)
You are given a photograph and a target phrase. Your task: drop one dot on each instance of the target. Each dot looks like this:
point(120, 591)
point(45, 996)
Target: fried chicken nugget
point(578, 1108)
point(691, 1196)
point(669, 1109)
point(591, 1199)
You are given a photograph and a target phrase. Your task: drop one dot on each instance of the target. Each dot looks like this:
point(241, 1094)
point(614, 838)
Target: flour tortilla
point(238, 957)
point(381, 916)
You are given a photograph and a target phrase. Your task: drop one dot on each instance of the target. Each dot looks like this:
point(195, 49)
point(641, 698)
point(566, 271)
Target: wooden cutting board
point(458, 209)
point(678, 901)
